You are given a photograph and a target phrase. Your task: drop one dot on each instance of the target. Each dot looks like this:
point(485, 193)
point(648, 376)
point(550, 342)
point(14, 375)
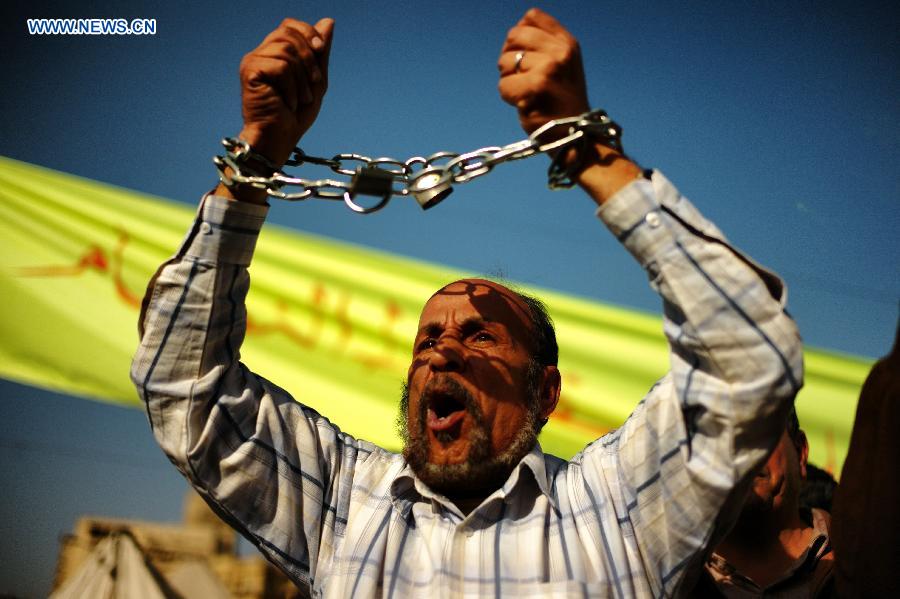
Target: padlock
point(430, 186)
point(370, 181)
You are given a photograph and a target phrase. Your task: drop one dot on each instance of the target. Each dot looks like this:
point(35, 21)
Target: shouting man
point(473, 506)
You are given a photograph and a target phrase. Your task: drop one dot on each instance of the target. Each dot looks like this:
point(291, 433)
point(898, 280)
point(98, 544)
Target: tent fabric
point(329, 321)
point(115, 569)
point(194, 580)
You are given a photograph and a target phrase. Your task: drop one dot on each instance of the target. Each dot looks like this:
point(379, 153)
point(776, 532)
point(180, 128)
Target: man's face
point(777, 485)
point(472, 389)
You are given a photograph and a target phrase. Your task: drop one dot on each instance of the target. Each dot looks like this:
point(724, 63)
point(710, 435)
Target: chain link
point(428, 179)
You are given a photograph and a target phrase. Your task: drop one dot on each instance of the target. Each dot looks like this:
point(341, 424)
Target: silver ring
point(519, 57)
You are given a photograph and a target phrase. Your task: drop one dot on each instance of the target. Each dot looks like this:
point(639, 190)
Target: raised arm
point(676, 470)
point(276, 471)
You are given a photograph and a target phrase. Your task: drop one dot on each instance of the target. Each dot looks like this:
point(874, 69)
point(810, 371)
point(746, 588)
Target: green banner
point(331, 322)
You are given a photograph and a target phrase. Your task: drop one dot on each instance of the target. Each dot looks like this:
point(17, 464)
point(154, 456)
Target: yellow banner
point(331, 322)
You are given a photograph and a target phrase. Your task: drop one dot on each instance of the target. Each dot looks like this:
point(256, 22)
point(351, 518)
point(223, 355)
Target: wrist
point(242, 193)
point(605, 171)
point(273, 147)
point(245, 159)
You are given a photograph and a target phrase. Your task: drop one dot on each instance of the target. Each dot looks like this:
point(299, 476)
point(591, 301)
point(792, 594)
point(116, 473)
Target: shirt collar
point(407, 486)
point(818, 546)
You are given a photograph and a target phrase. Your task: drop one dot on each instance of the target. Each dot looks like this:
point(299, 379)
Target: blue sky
point(779, 120)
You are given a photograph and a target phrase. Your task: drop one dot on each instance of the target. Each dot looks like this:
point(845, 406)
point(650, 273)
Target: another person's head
point(776, 487)
point(482, 382)
point(818, 488)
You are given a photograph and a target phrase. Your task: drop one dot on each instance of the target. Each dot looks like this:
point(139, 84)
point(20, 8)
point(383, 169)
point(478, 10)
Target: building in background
point(197, 559)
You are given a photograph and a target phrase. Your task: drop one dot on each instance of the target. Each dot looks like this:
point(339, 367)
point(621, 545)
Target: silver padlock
point(430, 186)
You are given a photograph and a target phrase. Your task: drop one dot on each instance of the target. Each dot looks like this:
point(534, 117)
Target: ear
point(802, 451)
point(551, 386)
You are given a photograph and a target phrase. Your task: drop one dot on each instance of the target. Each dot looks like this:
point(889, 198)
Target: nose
point(447, 356)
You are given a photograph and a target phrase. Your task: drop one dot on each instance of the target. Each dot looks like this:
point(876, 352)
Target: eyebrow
point(433, 328)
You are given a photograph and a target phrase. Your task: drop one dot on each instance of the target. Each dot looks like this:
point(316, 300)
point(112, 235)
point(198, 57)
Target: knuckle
point(247, 68)
point(280, 68)
point(551, 69)
point(305, 54)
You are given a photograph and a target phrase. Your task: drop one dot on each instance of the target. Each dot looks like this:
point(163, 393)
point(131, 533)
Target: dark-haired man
point(777, 547)
point(473, 506)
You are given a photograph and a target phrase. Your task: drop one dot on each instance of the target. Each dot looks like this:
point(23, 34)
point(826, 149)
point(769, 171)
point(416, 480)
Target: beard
point(768, 495)
point(757, 506)
point(481, 473)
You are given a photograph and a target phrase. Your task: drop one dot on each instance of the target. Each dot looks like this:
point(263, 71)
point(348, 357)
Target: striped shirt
point(629, 516)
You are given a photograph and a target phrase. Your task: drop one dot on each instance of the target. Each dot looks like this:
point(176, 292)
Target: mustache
point(438, 391)
point(446, 386)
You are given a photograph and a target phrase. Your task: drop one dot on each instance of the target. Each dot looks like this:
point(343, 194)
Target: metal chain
point(428, 179)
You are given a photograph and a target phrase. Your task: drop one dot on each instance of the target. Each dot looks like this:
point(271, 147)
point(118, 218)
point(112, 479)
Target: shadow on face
point(471, 406)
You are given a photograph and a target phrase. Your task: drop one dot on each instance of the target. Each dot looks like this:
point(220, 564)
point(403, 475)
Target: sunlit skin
point(777, 484)
point(477, 333)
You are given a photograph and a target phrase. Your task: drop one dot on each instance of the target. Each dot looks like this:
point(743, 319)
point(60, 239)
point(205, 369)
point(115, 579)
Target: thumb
point(325, 28)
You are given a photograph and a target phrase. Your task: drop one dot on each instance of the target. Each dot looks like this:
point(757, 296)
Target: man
point(776, 548)
point(866, 518)
point(473, 506)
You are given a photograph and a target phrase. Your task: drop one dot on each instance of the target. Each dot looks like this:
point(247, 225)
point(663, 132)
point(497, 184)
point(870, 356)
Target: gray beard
point(481, 473)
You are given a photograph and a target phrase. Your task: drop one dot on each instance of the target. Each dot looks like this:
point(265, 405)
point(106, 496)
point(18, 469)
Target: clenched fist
point(541, 72)
point(283, 82)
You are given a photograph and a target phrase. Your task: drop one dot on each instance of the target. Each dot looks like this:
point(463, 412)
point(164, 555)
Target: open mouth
point(444, 413)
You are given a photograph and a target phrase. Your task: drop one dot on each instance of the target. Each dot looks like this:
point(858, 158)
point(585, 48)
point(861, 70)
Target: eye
point(482, 337)
point(426, 343)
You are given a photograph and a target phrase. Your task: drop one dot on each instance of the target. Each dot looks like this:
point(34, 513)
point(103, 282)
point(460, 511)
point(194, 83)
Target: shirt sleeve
point(275, 470)
point(675, 472)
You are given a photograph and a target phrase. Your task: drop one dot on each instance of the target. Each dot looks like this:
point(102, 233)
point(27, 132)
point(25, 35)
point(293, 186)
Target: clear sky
point(779, 120)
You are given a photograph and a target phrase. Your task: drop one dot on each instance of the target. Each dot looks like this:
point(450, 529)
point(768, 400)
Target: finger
point(287, 52)
point(325, 28)
point(542, 20)
point(509, 63)
point(506, 64)
point(517, 90)
point(260, 72)
point(295, 51)
point(308, 43)
point(531, 38)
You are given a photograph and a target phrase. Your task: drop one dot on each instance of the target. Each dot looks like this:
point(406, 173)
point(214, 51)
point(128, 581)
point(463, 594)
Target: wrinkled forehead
point(477, 298)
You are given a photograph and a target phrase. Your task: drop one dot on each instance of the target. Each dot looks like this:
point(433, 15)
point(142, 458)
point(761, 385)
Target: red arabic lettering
point(564, 412)
point(95, 259)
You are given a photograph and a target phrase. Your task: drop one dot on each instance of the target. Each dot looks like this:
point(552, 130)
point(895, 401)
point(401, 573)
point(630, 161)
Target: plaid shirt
point(629, 516)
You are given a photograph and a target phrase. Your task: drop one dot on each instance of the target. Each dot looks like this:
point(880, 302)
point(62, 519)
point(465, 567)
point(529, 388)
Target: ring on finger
point(518, 64)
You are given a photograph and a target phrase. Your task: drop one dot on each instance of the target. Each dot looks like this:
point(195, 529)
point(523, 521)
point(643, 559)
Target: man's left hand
point(548, 81)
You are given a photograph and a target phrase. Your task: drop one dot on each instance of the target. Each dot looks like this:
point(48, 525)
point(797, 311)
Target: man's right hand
point(283, 82)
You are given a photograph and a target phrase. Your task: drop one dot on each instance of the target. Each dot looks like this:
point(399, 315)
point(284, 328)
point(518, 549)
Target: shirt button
point(205, 228)
point(652, 219)
point(469, 532)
